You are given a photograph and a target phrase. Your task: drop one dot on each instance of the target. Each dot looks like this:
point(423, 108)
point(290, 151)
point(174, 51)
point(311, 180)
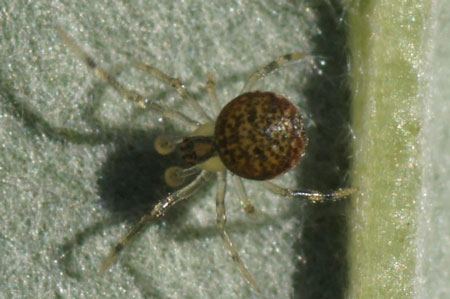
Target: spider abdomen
point(260, 135)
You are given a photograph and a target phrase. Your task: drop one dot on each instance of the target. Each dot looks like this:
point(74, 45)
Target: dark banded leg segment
point(128, 94)
point(313, 196)
point(157, 212)
point(270, 67)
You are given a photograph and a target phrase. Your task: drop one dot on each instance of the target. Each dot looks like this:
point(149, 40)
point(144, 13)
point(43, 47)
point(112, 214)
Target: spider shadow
point(130, 181)
point(322, 271)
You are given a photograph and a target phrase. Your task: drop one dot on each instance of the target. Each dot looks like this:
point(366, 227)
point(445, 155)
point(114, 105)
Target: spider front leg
point(313, 196)
point(157, 212)
point(100, 72)
point(270, 67)
point(175, 83)
point(221, 223)
point(128, 94)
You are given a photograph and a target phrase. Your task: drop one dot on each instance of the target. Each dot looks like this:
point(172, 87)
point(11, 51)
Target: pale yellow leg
point(157, 212)
point(270, 67)
point(313, 196)
point(221, 223)
point(211, 89)
point(128, 94)
point(178, 85)
point(242, 194)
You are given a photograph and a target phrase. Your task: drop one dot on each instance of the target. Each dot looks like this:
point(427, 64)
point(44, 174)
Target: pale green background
point(75, 157)
point(399, 224)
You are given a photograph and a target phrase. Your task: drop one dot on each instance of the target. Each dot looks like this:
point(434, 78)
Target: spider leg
point(221, 223)
point(270, 67)
point(248, 207)
point(211, 89)
point(128, 94)
point(157, 212)
point(175, 83)
point(313, 196)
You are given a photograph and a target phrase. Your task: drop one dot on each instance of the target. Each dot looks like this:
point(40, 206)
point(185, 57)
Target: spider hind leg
point(221, 223)
point(157, 212)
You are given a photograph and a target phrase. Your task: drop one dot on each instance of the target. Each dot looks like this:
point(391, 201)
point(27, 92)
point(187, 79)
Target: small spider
point(258, 135)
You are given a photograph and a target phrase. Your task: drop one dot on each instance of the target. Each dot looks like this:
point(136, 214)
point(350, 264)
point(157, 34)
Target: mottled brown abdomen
point(260, 135)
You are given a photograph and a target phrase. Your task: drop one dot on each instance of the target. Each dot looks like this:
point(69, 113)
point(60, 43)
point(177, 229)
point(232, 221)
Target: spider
point(258, 135)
